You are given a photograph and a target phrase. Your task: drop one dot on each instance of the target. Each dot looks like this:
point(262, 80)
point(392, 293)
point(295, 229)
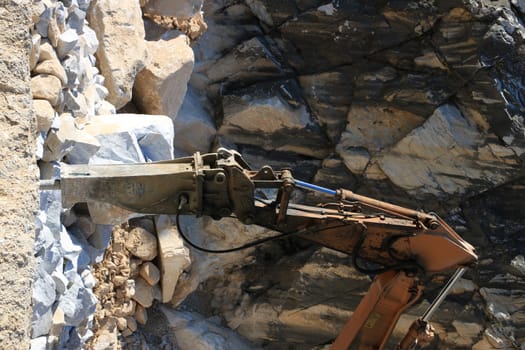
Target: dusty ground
point(18, 181)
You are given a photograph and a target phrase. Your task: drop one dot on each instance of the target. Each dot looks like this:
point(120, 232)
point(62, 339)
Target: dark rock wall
point(419, 103)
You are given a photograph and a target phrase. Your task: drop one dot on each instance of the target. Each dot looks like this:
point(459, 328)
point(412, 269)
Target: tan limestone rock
point(45, 113)
point(58, 323)
point(106, 340)
point(161, 86)
point(52, 67)
point(150, 273)
point(376, 127)
point(37, 8)
point(141, 314)
point(446, 156)
point(121, 323)
point(468, 330)
point(174, 257)
point(47, 52)
point(483, 344)
point(122, 51)
point(53, 31)
point(463, 286)
point(66, 139)
point(35, 51)
point(132, 323)
point(143, 292)
point(46, 87)
point(142, 244)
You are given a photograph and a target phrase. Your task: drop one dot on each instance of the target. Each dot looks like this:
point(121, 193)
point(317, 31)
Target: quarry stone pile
point(78, 125)
point(127, 283)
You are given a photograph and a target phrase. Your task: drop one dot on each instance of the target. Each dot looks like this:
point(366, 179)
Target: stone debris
point(52, 67)
point(143, 292)
point(130, 138)
point(141, 243)
point(125, 282)
point(66, 81)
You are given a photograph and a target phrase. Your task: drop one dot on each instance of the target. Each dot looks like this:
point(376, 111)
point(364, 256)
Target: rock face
point(417, 103)
point(273, 117)
point(406, 102)
point(194, 127)
point(447, 149)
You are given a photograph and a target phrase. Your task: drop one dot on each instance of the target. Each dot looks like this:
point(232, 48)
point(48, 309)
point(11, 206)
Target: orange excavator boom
point(397, 245)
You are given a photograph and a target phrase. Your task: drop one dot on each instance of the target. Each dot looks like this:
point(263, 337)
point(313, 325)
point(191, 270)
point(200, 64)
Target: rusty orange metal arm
point(401, 243)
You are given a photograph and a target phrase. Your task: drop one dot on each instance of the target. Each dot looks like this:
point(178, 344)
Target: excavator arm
point(397, 245)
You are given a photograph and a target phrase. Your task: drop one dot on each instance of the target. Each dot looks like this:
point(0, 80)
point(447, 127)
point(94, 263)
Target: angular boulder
point(370, 129)
point(161, 86)
point(45, 114)
point(129, 138)
point(193, 331)
point(122, 50)
point(69, 141)
point(174, 257)
point(47, 87)
point(110, 139)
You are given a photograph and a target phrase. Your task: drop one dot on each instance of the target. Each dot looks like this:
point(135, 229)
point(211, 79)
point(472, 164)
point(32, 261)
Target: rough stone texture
point(52, 67)
point(121, 54)
point(142, 244)
point(183, 9)
point(150, 273)
point(18, 176)
point(329, 96)
point(227, 28)
point(415, 102)
point(114, 290)
point(143, 292)
point(446, 155)
point(273, 117)
point(130, 138)
point(46, 87)
point(70, 141)
point(418, 103)
point(192, 331)
point(174, 257)
point(194, 127)
point(232, 70)
point(45, 114)
point(161, 86)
